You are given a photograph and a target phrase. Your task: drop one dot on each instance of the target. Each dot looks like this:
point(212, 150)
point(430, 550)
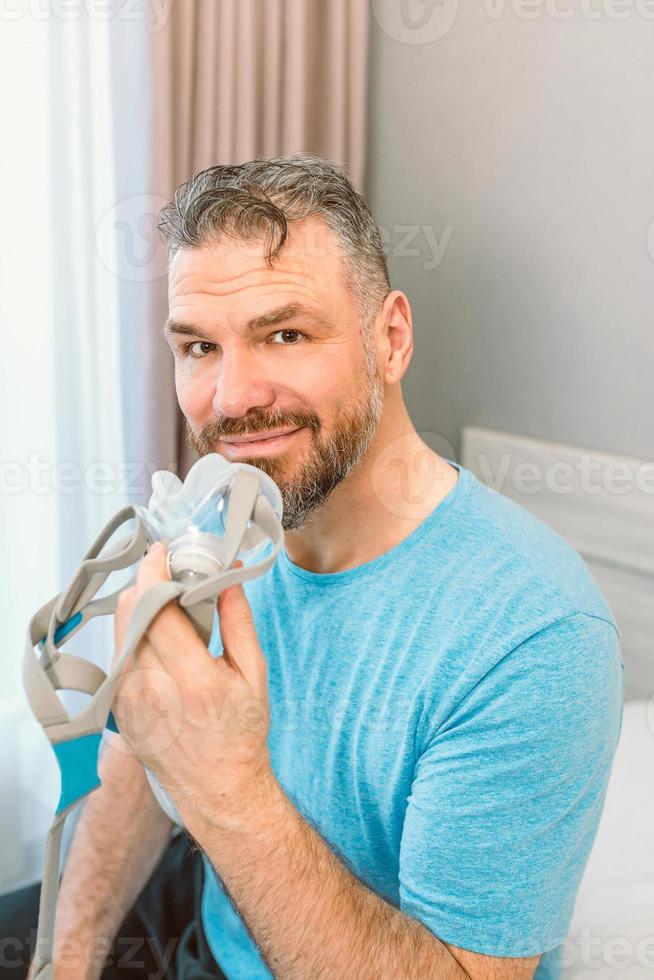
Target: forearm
point(310, 917)
point(118, 841)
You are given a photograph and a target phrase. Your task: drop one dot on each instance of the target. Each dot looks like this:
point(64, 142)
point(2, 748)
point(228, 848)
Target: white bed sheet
point(612, 933)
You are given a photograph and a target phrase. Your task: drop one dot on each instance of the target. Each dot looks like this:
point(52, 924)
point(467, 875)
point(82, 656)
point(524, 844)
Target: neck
point(394, 488)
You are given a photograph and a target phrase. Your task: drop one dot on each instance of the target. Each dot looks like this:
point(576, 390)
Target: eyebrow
point(270, 319)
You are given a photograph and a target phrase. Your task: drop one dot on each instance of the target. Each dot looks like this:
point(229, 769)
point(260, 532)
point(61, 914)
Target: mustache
point(252, 425)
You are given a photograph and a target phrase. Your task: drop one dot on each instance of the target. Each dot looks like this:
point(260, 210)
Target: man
point(397, 766)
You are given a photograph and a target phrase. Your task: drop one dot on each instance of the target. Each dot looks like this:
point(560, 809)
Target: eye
point(188, 348)
point(287, 343)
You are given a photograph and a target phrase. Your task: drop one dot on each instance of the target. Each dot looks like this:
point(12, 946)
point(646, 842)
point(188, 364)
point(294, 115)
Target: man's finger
point(239, 635)
point(171, 632)
point(122, 616)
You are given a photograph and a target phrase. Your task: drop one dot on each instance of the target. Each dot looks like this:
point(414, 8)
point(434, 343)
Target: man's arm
point(310, 917)
point(118, 841)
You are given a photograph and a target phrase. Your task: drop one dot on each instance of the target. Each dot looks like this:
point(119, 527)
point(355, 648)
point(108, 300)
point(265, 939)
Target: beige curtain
point(233, 80)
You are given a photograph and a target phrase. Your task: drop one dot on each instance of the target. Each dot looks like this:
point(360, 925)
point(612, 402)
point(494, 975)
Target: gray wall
point(530, 142)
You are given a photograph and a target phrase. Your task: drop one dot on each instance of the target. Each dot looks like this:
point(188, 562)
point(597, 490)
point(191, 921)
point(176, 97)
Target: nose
point(241, 384)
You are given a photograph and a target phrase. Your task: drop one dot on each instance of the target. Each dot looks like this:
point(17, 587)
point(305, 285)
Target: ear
point(397, 336)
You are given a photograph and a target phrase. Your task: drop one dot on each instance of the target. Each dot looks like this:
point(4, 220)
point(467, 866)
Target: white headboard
point(604, 506)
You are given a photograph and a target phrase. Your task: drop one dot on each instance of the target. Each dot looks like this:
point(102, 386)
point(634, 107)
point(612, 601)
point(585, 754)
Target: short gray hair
point(259, 198)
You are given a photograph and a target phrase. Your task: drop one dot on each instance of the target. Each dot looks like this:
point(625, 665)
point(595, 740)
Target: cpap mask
point(221, 513)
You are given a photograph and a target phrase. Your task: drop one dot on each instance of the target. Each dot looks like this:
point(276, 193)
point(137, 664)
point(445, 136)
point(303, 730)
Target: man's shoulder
point(526, 627)
point(501, 549)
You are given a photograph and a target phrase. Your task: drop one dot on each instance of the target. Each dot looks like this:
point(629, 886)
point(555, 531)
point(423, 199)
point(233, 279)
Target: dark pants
point(161, 936)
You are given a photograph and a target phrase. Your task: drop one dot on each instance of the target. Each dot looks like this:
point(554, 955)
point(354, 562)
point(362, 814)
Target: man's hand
point(199, 723)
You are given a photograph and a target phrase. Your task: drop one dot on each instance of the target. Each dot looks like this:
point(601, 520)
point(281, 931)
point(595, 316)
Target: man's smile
point(259, 444)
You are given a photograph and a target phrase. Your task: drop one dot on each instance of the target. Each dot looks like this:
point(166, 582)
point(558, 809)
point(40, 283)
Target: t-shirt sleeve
point(507, 795)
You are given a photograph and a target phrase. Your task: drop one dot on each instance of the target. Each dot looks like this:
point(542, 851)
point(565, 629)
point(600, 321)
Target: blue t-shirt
point(446, 716)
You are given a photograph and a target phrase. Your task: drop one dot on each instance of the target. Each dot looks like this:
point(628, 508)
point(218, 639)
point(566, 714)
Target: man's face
point(304, 372)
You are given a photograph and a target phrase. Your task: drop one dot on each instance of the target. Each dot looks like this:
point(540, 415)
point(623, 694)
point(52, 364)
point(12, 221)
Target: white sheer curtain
point(64, 433)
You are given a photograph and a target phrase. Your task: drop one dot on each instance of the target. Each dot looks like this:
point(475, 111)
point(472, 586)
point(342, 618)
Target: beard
point(332, 455)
